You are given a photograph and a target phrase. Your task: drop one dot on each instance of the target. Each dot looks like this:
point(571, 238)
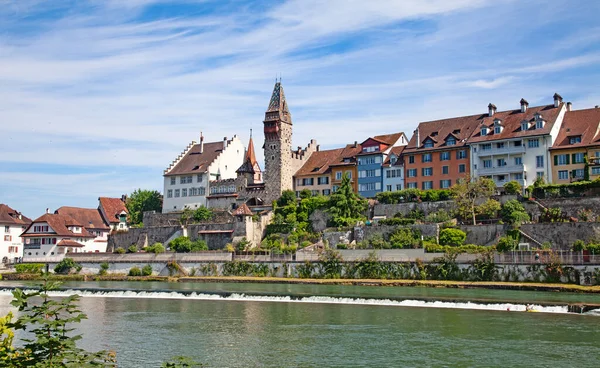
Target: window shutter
point(567, 156)
point(573, 173)
point(555, 160)
point(574, 158)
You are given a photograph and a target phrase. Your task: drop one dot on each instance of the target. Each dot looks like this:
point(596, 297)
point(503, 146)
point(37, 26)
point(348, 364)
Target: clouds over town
point(97, 97)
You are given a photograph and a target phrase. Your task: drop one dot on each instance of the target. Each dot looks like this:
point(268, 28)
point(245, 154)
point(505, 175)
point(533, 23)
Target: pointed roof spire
point(278, 102)
point(250, 159)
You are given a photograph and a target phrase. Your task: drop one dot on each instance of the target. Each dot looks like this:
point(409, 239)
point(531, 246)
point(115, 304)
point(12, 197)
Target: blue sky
point(98, 96)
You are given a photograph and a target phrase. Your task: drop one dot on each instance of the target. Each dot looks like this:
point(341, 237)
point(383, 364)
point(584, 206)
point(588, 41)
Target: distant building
point(393, 170)
point(315, 174)
point(114, 212)
point(346, 164)
point(12, 224)
point(91, 220)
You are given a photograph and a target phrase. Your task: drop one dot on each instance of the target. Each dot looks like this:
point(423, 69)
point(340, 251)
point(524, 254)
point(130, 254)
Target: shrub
point(454, 237)
point(146, 270)
point(29, 268)
point(554, 214)
point(578, 246)
point(396, 221)
point(507, 243)
point(66, 266)
point(132, 249)
point(244, 244)
point(439, 216)
point(120, 250)
point(135, 271)
point(199, 245)
point(405, 238)
point(156, 248)
point(378, 242)
point(513, 213)
point(182, 244)
point(103, 268)
point(513, 187)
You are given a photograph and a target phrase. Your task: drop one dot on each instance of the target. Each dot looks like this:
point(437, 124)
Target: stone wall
point(483, 234)
point(562, 235)
point(140, 237)
point(569, 206)
point(389, 210)
point(362, 233)
point(151, 218)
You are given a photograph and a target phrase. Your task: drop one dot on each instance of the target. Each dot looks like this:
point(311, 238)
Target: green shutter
point(567, 157)
point(555, 160)
point(573, 159)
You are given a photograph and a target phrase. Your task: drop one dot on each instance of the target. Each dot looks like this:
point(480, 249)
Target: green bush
point(439, 216)
point(405, 238)
point(507, 243)
point(132, 249)
point(513, 187)
point(135, 271)
point(66, 266)
point(146, 270)
point(396, 221)
point(120, 250)
point(413, 195)
point(103, 268)
point(183, 244)
point(578, 246)
point(513, 213)
point(29, 268)
point(378, 242)
point(155, 248)
point(454, 237)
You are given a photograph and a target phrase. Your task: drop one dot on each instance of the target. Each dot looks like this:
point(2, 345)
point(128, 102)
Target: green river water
point(280, 325)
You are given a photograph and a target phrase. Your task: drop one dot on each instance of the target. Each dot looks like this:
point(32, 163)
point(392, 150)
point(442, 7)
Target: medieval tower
point(281, 162)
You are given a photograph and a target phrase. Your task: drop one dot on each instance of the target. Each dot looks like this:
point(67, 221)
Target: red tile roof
point(318, 163)
point(388, 139)
point(348, 154)
point(438, 130)
point(112, 207)
point(69, 243)
point(58, 223)
point(195, 162)
point(250, 161)
point(396, 151)
point(10, 216)
point(242, 210)
point(584, 123)
point(89, 217)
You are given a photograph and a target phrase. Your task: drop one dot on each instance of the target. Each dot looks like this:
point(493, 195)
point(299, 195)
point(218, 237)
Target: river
point(280, 325)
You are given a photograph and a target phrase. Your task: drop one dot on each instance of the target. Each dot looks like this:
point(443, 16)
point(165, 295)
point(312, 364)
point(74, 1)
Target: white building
point(92, 221)
point(12, 224)
point(514, 144)
point(393, 170)
point(54, 235)
point(187, 180)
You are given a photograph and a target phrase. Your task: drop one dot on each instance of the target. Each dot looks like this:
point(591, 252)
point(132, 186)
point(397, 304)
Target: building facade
point(114, 212)
point(393, 170)
point(315, 174)
point(370, 162)
point(12, 224)
point(91, 220)
point(346, 164)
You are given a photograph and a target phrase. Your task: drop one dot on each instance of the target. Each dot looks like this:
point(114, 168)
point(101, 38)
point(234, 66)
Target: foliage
point(513, 213)
point(49, 342)
point(396, 221)
point(466, 194)
point(243, 244)
point(445, 268)
point(378, 242)
point(453, 237)
point(484, 268)
point(132, 249)
point(147, 270)
point(29, 268)
point(143, 200)
point(413, 195)
point(202, 214)
point(513, 187)
point(305, 270)
point(439, 216)
point(103, 268)
point(467, 248)
point(66, 266)
point(155, 248)
point(330, 264)
point(120, 250)
point(576, 189)
point(404, 237)
point(345, 206)
point(578, 246)
point(554, 268)
point(553, 214)
point(586, 215)
point(507, 243)
point(283, 228)
point(183, 244)
point(135, 271)
point(489, 208)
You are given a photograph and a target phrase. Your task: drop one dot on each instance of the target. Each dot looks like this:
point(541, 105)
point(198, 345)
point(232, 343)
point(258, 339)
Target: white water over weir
point(241, 297)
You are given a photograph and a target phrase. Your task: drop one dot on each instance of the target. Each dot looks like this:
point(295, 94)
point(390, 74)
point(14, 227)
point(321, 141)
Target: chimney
point(201, 143)
point(569, 106)
point(524, 105)
point(557, 99)
point(124, 198)
point(355, 144)
point(318, 147)
point(224, 143)
point(47, 210)
point(418, 141)
point(491, 109)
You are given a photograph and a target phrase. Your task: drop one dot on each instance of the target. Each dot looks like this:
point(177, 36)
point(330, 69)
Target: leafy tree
point(66, 265)
point(466, 194)
point(454, 237)
point(578, 246)
point(513, 187)
point(202, 214)
point(143, 200)
point(345, 206)
point(305, 193)
point(287, 197)
point(182, 244)
point(513, 213)
point(507, 243)
point(489, 208)
point(404, 237)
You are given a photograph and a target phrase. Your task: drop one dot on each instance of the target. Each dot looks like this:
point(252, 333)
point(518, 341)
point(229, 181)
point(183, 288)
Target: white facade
point(11, 244)
point(190, 190)
point(393, 178)
point(42, 241)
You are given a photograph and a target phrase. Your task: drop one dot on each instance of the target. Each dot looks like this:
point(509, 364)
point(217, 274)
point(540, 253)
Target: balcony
point(594, 161)
point(500, 151)
point(497, 170)
point(500, 183)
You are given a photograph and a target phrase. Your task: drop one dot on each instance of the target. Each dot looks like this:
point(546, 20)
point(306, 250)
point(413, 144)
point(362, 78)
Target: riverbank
point(548, 287)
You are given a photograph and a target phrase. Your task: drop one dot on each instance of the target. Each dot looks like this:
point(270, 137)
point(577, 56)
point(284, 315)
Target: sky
point(97, 97)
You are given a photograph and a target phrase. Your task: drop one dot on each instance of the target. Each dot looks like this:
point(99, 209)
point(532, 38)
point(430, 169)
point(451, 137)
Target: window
point(297, 194)
point(444, 184)
point(338, 175)
point(597, 154)
point(427, 185)
point(451, 141)
point(323, 180)
point(574, 140)
point(497, 129)
point(578, 158)
point(185, 179)
point(578, 173)
point(500, 145)
point(524, 125)
point(398, 186)
point(411, 159)
point(193, 192)
point(314, 193)
point(184, 192)
point(563, 175)
point(561, 160)
point(6, 229)
point(445, 170)
point(501, 178)
point(371, 149)
point(388, 188)
point(335, 188)
point(462, 168)
point(484, 131)
point(444, 156)
point(372, 173)
point(172, 181)
point(326, 192)
point(7, 238)
point(461, 154)
point(518, 176)
point(596, 170)
point(539, 124)
point(308, 181)
point(501, 162)
point(199, 178)
point(428, 143)
point(487, 164)
point(539, 161)
point(349, 174)
point(411, 173)
point(518, 160)
point(170, 193)
point(368, 187)
point(427, 171)
point(393, 159)
point(426, 157)
point(177, 193)
point(414, 185)
point(539, 174)
point(533, 143)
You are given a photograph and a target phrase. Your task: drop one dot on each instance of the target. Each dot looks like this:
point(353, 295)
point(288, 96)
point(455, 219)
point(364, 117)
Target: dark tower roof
point(278, 107)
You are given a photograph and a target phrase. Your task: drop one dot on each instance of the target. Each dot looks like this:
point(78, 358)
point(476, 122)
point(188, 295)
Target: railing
point(500, 151)
point(542, 257)
point(501, 169)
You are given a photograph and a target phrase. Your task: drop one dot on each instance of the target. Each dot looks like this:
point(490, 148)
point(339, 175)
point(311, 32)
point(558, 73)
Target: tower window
point(272, 157)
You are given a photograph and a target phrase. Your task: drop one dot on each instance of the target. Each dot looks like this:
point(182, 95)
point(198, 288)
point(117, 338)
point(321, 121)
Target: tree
point(143, 200)
point(345, 206)
point(513, 187)
point(513, 213)
point(489, 208)
point(182, 244)
point(202, 214)
point(453, 237)
point(466, 194)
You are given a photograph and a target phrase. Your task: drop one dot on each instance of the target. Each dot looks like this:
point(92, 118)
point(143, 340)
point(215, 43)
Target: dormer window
point(539, 124)
point(498, 129)
point(484, 131)
point(451, 141)
point(524, 125)
point(428, 143)
point(575, 140)
point(393, 159)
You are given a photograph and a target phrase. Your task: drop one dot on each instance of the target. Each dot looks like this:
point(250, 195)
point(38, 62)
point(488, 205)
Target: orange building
point(346, 163)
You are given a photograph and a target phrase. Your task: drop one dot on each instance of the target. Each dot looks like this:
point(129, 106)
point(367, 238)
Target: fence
point(541, 257)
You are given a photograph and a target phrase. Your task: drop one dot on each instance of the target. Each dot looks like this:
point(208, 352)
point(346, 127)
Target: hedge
point(397, 221)
point(565, 190)
point(413, 195)
point(29, 267)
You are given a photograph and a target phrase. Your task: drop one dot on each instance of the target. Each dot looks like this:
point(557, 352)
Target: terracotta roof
point(583, 123)
point(69, 243)
point(348, 154)
point(59, 224)
point(195, 162)
point(89, 217)
point(242, 210)
point(10, 216)
point(511, 123)
point(250, 160)
point(396, 151)
point(318, 162)
point(112, 207)
point(438, 130)
point(388, 139)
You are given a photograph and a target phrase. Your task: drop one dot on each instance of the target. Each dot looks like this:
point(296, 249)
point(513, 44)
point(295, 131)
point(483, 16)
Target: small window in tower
point(272, 157)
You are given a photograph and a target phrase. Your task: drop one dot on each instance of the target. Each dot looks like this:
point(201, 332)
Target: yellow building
point(315, 174)
point(578, 140)
point(346, 164)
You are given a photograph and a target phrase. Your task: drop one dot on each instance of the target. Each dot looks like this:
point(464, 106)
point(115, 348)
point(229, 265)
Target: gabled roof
point(348, 152)
point(318, 162)
point(460, 127)
point(112, 207)
point(69, 243)
point(90, 218)
point(196, 160)
point(242, 210)
point(59, 224)
point(584, 123)
point(511, 121)
point(388, 139)
point(10, 216)
point(396, 151)
point(250, 160)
